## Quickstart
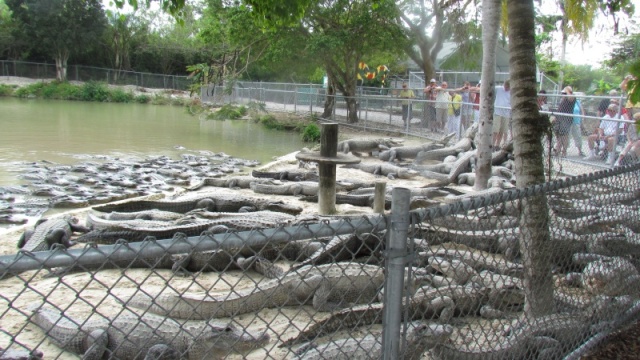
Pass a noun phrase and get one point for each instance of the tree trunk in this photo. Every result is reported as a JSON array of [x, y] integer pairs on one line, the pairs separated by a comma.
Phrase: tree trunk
[[491, 12], [529, 168], [352, 102], [330, 98], [61, 65]]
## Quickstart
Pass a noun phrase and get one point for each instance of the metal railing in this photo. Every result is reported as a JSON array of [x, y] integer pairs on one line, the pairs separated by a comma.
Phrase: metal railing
[[384, 112], [90, 73], [453, 277]]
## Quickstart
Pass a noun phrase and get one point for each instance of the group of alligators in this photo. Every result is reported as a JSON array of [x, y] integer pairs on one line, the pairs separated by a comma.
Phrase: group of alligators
[[478, 277]]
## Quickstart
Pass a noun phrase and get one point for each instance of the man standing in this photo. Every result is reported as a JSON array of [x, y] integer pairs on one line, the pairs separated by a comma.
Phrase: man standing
[[406, 94], [501, 114], [429, 110], [442, 107]]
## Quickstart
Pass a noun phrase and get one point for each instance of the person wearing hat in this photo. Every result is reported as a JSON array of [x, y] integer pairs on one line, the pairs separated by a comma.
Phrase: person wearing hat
[[406, 94], [562, 123], [608, 132], [429, 110]]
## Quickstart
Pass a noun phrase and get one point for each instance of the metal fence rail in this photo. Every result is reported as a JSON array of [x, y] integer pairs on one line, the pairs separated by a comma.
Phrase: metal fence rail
[[91, 73], [452, 277], [385, 113]]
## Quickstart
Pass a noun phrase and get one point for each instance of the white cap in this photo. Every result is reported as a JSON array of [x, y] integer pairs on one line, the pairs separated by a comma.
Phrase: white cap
[[433, 80], [479, 82]]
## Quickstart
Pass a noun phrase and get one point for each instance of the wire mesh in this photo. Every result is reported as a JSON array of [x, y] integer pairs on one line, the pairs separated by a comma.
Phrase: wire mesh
[[484, 278]]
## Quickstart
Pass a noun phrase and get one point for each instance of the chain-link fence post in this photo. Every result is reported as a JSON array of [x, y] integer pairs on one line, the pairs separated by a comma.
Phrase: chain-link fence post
[[395, 263]]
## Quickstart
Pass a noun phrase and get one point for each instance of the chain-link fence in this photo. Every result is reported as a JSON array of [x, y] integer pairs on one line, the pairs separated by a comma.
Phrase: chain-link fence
[[539, 273], [91, 73]]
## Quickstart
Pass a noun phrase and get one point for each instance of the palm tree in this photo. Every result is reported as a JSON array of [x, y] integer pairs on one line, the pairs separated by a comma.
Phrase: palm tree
[[528, 153], [578, 18]]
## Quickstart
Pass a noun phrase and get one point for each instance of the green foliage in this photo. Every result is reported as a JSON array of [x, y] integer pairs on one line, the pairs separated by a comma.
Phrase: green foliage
[[94, 91], [311, 133], [228, 112], [160, 100], [120, 96], [6, 90], [59, 28], [270, 122], [142, 99], [30, 90]]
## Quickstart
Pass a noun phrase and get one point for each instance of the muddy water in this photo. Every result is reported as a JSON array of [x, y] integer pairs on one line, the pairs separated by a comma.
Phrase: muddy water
[[66, 132]]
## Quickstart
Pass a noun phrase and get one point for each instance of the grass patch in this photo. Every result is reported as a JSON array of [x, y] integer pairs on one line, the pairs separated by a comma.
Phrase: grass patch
[[7, 90], [228, 112], [94, 91], [121, 96], [89, 91]]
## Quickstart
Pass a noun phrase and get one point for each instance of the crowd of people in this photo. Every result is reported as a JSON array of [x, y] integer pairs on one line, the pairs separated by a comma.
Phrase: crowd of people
[[452, 110]]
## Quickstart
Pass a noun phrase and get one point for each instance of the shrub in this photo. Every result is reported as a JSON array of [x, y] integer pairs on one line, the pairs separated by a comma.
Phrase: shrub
[[6, 90], [121, 96], [68, 91], [227, 111], [160, 100], [311, 133], [30, 90], [94, 91], [270, 122], [142, 99]]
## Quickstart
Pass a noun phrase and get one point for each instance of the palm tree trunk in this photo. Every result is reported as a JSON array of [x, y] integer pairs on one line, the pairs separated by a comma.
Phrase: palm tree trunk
[[491, 11], [527, 132]]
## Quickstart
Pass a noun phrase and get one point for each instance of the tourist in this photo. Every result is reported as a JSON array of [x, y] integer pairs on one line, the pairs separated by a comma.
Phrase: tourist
[[604, 103], [576, 127], [606, 132], [429, 110], [454, 124], [442, 107], [406, 95], [631, 152], [476, 102], [501, 114], [466, 111], [562, 123]]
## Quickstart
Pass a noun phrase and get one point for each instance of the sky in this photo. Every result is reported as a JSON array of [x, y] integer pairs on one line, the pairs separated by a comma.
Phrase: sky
[[598, 46]]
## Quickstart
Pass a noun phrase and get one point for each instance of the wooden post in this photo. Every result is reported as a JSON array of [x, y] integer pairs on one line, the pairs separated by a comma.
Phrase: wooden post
[[379, 197], [327, 170]]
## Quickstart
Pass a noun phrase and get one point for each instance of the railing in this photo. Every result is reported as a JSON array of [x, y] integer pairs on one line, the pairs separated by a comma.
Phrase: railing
[[90, 73], [459, 288], [384, 112]]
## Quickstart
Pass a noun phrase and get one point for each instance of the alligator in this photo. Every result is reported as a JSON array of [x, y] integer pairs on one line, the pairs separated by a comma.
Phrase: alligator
[[48, 232], [406, 152], [464, 144], [326, 287], [286, 175], [192, 224], [358, 146], [139, 215], [213, 260], [295, 188], [355, 200], [212, 201], [385, 169], [243, 182], [129, 336], [13, 354], [426, 303], [345, 248], [547, 337], [420, 338]]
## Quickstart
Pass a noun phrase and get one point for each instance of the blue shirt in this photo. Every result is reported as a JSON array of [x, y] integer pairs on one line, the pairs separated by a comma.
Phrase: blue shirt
[[576, 111]]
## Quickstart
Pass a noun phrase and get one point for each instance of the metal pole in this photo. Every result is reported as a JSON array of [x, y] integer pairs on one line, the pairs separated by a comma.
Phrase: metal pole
[[394, 282]]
